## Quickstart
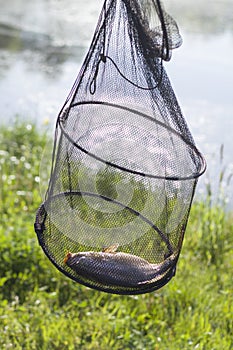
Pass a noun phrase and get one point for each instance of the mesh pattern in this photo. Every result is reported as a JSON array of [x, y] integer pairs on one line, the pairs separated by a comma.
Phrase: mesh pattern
[[125, 165]]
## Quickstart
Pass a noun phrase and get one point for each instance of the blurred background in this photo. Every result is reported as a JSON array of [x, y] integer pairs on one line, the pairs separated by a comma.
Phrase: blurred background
[[43, 44]]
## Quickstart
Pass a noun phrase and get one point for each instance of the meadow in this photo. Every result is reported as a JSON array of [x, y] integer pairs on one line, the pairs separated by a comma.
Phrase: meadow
[[41, 309]]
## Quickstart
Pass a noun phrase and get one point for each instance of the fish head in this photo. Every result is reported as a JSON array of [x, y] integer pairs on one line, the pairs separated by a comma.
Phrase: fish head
[[67, 257]]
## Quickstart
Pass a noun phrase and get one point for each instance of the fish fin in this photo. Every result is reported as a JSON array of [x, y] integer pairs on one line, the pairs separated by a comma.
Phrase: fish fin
[[111, 249]]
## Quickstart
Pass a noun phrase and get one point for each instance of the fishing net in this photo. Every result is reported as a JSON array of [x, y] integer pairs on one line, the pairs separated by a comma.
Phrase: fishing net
[[125, 165]]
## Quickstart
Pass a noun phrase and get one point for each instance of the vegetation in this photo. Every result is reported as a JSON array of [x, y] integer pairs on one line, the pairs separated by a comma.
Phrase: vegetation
[[42, 309]]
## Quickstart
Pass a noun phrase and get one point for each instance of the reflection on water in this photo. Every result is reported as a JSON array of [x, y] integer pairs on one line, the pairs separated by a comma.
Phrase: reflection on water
[[203, 17], [44, 51], [42, 45]]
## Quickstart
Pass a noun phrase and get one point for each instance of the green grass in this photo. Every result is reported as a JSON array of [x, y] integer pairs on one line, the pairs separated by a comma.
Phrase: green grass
[[41, 309]]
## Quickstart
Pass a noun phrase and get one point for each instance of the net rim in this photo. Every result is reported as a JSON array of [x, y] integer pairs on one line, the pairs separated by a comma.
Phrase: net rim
[[39, 229], [202, 163], [108, 199]]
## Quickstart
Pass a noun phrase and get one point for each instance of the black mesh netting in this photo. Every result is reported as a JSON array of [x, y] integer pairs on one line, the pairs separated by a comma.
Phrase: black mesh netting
[[125, 165]]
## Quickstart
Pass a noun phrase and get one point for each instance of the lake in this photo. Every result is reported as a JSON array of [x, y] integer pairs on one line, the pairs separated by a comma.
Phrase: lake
[[43, 43]]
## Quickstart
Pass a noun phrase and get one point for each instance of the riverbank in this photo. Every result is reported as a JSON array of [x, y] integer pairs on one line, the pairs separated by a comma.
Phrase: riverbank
[[42, 309]]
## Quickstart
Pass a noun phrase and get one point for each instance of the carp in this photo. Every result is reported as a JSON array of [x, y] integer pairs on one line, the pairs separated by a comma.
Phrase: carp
[[117, 268]]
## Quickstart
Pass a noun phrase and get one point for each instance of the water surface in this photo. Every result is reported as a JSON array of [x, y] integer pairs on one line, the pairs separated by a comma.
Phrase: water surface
[[43, 43]]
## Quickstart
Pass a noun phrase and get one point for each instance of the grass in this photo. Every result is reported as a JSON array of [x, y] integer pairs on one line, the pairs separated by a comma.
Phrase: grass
[[43, 310]]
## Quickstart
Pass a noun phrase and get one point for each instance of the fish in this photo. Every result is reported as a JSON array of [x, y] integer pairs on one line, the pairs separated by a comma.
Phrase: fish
[[120, 269]]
